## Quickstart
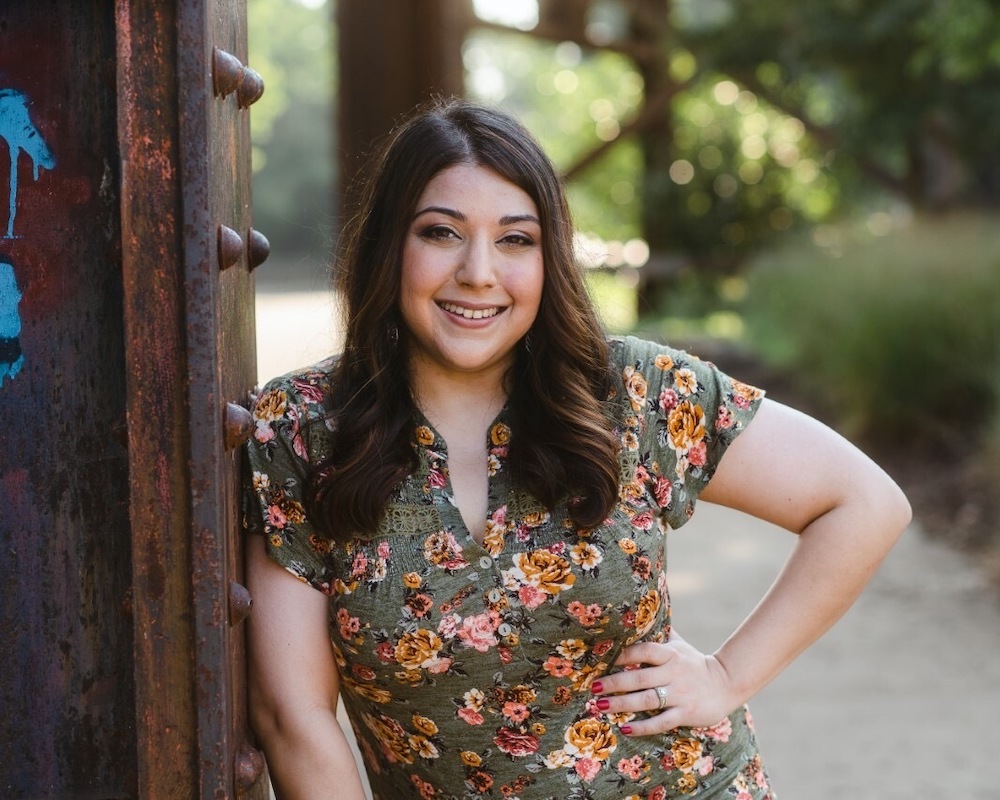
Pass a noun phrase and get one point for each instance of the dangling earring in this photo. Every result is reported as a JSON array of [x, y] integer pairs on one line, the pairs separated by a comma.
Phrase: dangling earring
[[393, 334], [527, 343]]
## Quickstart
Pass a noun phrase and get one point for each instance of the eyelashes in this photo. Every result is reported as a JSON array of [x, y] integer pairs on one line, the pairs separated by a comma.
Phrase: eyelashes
[[445, 233]]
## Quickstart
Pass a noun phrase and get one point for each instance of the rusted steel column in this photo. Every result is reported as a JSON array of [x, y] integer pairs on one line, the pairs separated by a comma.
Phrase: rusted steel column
[[152, 242], [67, 715]]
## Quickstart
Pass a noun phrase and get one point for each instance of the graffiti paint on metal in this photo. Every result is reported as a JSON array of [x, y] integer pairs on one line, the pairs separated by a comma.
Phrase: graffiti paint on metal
[[11, 358], [21, 135]]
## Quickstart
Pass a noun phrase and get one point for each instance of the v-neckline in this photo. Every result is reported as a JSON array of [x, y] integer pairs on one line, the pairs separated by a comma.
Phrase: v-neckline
[[495, 490]]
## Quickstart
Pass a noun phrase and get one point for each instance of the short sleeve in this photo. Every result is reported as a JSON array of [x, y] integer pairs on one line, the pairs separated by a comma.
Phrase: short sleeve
[[289, 433], [685, 413]]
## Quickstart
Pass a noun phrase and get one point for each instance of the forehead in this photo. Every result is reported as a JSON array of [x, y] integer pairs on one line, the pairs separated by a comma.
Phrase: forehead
[[476, 186]]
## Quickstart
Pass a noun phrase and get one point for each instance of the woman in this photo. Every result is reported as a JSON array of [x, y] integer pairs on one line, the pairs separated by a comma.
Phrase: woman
[[480, 489]]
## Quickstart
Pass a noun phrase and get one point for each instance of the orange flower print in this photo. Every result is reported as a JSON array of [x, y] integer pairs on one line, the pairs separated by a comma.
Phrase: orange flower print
[[424, 435], [542, 573], [590, 738], [664, 362], [419, 650], [685, 426], [635, 386], [499, 434], [444, 551], [685, 382], [645, 614]]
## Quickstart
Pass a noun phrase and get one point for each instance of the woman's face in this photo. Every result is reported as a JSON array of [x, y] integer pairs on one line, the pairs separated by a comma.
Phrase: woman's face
[[472, 274]]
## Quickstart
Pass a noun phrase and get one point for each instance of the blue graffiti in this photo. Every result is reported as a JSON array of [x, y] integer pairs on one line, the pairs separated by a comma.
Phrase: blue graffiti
[[11, 358], [17, 129]]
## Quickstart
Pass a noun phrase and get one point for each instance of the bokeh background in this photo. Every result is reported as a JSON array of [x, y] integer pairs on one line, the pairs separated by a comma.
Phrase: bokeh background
[[807, 193]]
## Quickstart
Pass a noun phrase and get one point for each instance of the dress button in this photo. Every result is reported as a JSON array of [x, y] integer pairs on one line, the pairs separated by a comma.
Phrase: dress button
[[504, 629], [486, 562], [494, 596]]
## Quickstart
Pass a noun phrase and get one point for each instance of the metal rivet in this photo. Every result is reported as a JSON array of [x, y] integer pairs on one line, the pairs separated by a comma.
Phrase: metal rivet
[[230, 247], [250, 89], [227, 72], [240, 602], [258, 248], [248, 768], [238, 425]]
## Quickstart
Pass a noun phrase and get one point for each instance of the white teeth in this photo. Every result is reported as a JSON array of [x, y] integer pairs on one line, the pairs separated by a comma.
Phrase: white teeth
[[468, 313]]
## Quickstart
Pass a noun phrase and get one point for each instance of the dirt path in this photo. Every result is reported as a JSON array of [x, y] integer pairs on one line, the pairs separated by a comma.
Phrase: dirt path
[[900, 700]]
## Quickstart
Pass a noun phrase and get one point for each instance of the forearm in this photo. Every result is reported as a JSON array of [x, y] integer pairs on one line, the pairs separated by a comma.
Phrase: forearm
[[832, 561], [310, 758]]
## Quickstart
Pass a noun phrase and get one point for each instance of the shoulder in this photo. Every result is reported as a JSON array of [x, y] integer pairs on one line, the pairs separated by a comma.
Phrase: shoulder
[[295, 392], [292, 408]]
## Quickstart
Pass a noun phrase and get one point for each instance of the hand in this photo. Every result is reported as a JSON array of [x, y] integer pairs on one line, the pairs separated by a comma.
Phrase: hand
[[699, 690]]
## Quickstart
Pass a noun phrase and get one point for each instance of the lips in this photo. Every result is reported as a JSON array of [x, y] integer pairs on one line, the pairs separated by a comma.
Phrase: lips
[[471, 313]]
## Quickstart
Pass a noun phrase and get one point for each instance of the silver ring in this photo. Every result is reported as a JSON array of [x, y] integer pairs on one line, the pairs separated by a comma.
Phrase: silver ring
[[663, 693]]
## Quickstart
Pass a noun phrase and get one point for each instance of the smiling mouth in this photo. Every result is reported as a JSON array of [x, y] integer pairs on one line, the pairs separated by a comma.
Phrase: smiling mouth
[[471, 313]]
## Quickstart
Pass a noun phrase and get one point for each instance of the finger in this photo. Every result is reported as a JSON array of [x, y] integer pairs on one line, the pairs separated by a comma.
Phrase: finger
[[653, 653], [661, 723], [643, 700]]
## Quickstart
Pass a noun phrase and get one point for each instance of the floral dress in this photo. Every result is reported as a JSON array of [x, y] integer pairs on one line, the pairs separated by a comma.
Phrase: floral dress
[[466, 669]]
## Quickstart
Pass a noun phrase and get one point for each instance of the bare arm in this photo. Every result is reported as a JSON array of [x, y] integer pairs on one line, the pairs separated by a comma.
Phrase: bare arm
[[788, 469], [294, 686]]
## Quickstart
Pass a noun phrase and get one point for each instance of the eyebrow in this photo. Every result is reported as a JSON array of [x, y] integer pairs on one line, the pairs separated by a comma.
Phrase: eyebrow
[[509, 219]]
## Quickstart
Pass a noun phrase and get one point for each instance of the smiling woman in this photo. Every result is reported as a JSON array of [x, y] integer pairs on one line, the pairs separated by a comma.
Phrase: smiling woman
[[480, 489]]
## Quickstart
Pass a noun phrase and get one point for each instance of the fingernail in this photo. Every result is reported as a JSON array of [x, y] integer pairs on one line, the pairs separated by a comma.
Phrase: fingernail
[[597, 687], [603, 704], [626, 729]]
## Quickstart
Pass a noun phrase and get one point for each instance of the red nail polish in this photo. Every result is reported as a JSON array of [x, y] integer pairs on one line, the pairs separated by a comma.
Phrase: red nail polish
[[603, 704], [596, 687], [626, 729]]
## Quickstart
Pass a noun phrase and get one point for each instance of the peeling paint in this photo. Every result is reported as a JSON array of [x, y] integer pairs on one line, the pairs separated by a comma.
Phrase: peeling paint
[[11, 357]]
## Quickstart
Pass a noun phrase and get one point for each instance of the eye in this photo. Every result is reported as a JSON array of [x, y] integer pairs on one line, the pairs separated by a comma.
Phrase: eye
[[517, 240], [437, 233]]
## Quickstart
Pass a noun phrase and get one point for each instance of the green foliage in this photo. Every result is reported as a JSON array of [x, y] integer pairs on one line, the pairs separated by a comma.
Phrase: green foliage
[[899, 334], [291, 45], [571, 101]]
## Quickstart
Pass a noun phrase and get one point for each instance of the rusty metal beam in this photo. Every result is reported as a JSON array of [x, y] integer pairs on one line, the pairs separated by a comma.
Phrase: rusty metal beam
[[156, 360]]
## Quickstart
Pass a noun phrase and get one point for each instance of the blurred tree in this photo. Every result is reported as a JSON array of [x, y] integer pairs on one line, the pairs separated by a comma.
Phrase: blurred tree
[[291, 45], [393, 55]]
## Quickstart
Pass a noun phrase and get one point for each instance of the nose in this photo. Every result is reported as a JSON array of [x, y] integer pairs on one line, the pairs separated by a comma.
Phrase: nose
[[476, 268]]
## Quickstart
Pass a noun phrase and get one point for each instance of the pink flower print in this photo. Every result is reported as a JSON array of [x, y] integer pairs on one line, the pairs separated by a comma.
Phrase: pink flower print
[[263, 432], [478, 632], [531, 597], [515, 712], [558, 667], [439, 665], [276, 517], [704, 765], [698, 455], [587, 768], [668, 399], [436, 479], [643, 520], [385, 652], [470, 716], [719, 732], [724, 418], [631, 767], [310, 392], [383, 550], [667, 762], [514, 743], [506, 656], [663, 491], [587, 615], [359, 565], [448, 626], [602, 647], [659, 793]]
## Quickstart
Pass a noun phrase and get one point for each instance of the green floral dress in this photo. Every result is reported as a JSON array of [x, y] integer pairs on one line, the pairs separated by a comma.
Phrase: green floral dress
[[465, 668]]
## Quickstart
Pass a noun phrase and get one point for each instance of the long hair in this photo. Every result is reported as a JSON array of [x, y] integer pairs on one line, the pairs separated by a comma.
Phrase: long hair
[[563, 443]]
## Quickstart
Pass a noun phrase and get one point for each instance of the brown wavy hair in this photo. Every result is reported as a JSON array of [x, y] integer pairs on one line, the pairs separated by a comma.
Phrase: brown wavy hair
[[563, 442]]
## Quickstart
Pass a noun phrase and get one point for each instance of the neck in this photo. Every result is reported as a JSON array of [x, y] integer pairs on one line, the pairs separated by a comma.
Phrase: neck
[[441, 394]]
